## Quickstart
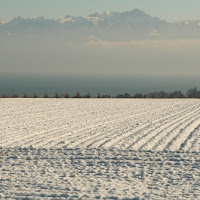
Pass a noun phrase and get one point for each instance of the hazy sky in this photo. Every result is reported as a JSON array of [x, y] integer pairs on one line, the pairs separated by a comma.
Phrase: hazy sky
[[171, 10], [54, 54]]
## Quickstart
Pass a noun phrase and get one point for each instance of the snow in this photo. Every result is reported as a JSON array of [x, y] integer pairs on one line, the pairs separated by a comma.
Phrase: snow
[[186, 22], [66, 19], [106, 14], [99, 149], [2, 22]]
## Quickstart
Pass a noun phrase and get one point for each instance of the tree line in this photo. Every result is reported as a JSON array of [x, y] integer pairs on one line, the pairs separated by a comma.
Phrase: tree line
[[192, 93]]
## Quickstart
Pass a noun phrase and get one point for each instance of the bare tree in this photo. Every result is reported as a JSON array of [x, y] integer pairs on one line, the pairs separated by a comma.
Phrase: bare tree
[[67, 95], [46, 95], [15, 96], [88, 95], [57, 95], [25, 96], [4, 95], [127, 95], [35, 95], [78, 95], [98, 95]]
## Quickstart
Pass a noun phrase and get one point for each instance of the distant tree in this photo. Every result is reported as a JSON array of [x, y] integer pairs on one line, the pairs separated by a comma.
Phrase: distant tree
[[170, 96], [15, 96], [153, 96], [119, 96], [35, 95], [177, 94], [67, 95], [78, 95], [138, 95], [25, 96], [180, 95], [4, 95], [109, 96], [192, 93], [162, 96], [98, 95], [127, 95], [57, 95], [46, 95], [88, 95], [145, 96]]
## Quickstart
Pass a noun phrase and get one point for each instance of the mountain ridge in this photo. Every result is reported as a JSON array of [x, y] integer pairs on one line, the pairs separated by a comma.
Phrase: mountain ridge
[[136, 12], [111, 26]]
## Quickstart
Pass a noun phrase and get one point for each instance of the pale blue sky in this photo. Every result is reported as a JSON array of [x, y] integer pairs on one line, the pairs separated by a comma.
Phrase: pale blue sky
[[171, 10]]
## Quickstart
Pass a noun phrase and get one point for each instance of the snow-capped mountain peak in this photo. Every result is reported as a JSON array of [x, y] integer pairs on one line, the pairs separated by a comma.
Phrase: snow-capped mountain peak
[[107, 14], [129, 25], [67, 18], [16, 20]]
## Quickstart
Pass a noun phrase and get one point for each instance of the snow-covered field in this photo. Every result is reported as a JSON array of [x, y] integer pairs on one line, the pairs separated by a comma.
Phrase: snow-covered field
[[99, 149]]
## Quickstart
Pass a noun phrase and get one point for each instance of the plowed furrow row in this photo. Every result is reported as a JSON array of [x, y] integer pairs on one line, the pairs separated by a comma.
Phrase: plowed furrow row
[[78, 138], [135, 124], [177, 140], [111, 139], [132, 142], [159, 136], [165, 142], [195, 143], [189, 141], [147, 136]]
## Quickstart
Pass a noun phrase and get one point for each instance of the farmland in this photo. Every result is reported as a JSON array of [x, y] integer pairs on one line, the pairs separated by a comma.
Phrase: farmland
[[100, 148]]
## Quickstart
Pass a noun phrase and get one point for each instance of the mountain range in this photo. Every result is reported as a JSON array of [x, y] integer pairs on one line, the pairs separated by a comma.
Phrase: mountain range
[[110, 26]]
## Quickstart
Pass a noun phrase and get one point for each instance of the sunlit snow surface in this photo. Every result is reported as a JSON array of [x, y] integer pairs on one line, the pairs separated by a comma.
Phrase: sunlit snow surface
[[99, 149]]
